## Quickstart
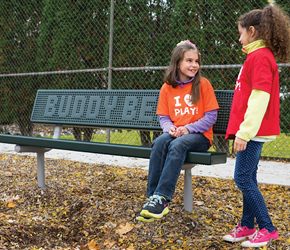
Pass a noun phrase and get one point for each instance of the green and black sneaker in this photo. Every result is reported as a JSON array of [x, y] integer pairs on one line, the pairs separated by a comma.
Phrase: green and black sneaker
[[156, 207], [144, 219]]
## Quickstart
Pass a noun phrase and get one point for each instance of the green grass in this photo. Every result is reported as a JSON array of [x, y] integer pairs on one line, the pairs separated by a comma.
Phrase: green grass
[[279, 148], [119, 137]]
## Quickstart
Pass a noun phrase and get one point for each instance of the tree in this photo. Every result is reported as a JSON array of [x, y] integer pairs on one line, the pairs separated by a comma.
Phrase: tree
[[19, 31], [74, 35]]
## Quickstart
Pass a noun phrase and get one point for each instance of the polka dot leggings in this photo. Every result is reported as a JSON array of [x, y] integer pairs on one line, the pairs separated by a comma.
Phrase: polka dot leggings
[[246, 179]]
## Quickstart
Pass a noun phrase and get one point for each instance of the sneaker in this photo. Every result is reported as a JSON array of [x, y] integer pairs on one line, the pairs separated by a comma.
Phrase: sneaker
[[239, 233], [261, 238], [156, 207], [144, 219]]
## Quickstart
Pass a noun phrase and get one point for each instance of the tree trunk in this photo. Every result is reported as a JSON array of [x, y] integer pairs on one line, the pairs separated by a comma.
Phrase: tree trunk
[[83, 134], [25, 126]]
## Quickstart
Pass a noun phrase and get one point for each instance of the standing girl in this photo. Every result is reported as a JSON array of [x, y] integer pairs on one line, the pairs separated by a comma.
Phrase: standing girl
[[187, 109], [254, 117]]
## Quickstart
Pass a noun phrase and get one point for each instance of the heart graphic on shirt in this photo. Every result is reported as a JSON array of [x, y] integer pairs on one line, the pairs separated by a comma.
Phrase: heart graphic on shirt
[[187, 99]]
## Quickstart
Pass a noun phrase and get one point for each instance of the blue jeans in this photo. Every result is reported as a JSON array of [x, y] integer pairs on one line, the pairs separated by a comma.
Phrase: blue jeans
[[246, 179], [167, 157]]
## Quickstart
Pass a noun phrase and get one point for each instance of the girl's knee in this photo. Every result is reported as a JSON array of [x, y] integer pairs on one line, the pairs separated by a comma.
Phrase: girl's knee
[[243, 182], [162, 138], [239, 183], [161, 141], [176, 148]]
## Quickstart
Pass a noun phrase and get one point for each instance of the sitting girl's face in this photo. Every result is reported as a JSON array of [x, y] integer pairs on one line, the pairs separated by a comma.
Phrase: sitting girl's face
[[189, 65]]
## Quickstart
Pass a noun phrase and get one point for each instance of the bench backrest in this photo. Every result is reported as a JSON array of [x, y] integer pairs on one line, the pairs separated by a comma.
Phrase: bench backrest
[[128, 109]]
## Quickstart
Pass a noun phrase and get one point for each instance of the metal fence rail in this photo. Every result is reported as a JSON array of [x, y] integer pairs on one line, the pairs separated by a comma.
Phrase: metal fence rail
[[119, 45]]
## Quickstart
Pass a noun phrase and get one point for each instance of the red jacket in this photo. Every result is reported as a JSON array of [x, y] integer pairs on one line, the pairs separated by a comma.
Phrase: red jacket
[[260, 71]]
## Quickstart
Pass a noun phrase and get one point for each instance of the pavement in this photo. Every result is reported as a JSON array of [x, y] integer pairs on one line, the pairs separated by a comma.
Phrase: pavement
[[269, 172]]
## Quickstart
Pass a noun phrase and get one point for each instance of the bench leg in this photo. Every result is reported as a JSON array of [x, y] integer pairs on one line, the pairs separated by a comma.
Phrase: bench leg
[[40, 170], [40, 161], [187, 196]]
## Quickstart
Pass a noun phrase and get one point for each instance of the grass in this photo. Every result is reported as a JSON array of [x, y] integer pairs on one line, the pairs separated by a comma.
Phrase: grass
[[279, 148], [130, 137]]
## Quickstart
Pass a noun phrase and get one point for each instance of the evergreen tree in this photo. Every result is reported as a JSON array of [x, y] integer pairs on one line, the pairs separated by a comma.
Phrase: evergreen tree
[[74, 35], [19, 32]]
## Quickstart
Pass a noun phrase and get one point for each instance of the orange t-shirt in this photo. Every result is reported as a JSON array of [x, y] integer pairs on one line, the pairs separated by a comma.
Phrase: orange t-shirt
[[176, 103]]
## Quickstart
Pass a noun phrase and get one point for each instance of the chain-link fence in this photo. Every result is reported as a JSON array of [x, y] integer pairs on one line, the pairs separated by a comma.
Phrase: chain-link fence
[[121, 44]]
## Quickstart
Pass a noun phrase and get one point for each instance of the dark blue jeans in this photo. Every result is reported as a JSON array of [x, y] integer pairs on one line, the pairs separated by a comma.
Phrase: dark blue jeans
[[246, 179], [167, 157]]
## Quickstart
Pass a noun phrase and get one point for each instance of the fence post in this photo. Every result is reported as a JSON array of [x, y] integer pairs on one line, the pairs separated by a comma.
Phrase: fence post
[[110, 66]]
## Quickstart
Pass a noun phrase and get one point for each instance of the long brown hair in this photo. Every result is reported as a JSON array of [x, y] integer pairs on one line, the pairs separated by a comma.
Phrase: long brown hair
[[273, 26], [171, 74]]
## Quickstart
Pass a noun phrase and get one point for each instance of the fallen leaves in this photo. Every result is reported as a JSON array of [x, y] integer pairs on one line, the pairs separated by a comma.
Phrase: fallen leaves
[[92, 245], [92, 207], [124, 228], [11, 204]]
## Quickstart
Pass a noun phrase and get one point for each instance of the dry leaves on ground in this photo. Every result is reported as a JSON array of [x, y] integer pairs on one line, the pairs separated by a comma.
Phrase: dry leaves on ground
[[92, 207]]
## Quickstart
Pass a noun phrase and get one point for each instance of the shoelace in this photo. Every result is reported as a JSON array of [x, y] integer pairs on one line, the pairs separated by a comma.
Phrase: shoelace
[[148, 201], [237, 229], [154, 200], [257, 235]]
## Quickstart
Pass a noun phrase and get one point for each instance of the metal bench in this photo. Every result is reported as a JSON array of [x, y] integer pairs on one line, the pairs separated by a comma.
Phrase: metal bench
[[115, 109]]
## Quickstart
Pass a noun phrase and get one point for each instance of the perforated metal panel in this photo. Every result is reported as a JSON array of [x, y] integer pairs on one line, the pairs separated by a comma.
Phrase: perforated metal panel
[[110, 108], [101, 108], [224, 98]]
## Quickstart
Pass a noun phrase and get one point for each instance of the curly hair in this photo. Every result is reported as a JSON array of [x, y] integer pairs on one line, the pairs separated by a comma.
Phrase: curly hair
[[170, 76], [273, 26]]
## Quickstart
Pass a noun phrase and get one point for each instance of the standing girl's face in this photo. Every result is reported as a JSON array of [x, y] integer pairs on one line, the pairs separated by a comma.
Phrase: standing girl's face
[[189, 65], [246, 35]]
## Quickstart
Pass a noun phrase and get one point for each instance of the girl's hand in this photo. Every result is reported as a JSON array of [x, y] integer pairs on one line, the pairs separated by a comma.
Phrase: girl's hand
[[182, 131], [172, 131], [239, 145], [177, 132]]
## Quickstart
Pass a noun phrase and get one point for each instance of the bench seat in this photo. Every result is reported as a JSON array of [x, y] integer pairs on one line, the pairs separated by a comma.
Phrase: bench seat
[[204, 158]]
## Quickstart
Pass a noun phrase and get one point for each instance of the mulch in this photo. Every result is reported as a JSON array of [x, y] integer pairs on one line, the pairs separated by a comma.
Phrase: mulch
[[91, 207]]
